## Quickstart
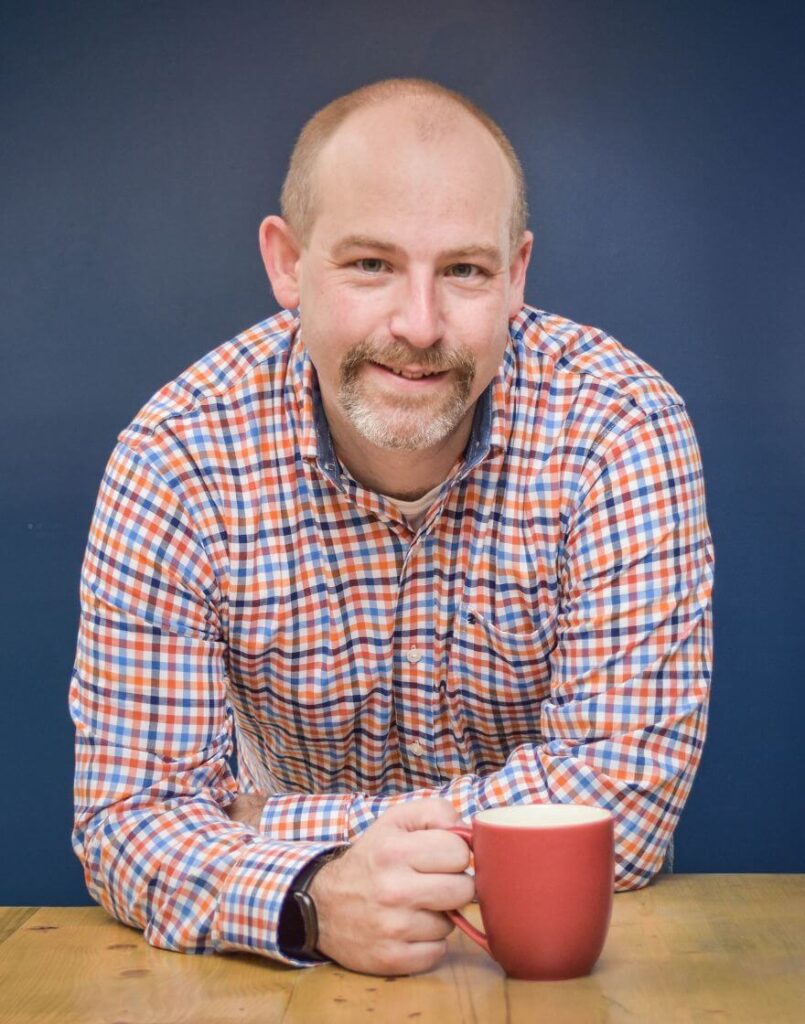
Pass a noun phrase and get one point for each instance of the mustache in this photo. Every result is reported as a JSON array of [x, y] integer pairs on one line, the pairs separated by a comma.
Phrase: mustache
[[398, 353]]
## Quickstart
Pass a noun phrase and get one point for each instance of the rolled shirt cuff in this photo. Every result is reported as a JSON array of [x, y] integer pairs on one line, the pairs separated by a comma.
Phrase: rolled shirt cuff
[[308, 818], [251, 902]]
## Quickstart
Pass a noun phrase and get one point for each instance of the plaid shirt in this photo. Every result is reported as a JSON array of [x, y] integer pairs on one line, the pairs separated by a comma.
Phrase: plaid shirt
[[543, 636]]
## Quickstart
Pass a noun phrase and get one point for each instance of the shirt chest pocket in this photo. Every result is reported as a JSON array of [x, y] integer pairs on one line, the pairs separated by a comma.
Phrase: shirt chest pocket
[[495, 684]]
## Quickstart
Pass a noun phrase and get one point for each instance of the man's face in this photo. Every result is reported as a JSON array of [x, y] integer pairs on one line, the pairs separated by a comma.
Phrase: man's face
[[407, 283]]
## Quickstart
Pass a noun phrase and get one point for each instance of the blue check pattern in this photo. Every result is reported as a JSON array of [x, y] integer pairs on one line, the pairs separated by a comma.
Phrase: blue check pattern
[[544, 635]]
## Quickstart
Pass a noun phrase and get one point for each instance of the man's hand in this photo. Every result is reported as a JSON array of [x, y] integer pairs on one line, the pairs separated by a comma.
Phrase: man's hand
[[380, 904]]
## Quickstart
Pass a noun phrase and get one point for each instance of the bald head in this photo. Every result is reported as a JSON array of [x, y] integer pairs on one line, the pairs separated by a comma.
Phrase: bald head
[[394, 112]]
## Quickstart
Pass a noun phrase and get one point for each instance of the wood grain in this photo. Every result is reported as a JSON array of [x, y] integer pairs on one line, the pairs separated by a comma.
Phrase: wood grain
[[11, 918], [688, 948]]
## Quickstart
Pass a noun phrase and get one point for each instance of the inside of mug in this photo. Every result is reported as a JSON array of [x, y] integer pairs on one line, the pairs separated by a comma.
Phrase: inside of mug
[[542, 815]]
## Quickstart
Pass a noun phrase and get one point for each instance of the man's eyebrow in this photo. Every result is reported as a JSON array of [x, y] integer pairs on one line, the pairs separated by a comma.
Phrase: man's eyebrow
[[460, 254], [474, 252], [361, 242]]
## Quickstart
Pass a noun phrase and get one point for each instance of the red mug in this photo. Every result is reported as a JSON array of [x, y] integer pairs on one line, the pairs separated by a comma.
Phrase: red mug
[[544, 876]]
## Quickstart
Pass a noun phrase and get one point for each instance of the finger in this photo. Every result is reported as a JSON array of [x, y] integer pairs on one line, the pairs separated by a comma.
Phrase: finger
[[426, 926], [441, 892], [435, 850], [431, 812], [423, 956]]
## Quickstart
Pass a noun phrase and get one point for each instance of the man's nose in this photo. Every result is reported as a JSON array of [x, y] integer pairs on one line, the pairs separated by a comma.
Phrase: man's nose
[[417, 317]]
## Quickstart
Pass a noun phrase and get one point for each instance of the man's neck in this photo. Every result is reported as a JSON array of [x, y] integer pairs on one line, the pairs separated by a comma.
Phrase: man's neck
[[406, 475]]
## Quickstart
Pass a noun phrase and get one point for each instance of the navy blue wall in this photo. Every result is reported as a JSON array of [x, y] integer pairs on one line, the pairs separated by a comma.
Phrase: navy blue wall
[[663, 147]]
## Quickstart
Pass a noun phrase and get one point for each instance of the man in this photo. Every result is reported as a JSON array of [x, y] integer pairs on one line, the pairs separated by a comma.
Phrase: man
[[420, 548]]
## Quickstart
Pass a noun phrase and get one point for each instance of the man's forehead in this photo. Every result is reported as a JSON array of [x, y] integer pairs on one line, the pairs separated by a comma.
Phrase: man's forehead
[[414, 122], [376, 159], [413, 133]]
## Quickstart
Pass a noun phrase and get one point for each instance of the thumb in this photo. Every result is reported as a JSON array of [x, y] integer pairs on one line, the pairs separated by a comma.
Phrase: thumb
[[431, 812]]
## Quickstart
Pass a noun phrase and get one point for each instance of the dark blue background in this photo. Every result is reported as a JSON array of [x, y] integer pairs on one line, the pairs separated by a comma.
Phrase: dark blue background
[[662, 142]]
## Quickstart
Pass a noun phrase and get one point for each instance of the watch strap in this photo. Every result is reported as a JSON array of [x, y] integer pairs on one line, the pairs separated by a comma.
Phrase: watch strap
[[306, 906]]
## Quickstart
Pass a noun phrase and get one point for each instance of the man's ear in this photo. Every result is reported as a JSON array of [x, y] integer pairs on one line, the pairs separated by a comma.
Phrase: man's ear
[[280, 252], [517, 271]]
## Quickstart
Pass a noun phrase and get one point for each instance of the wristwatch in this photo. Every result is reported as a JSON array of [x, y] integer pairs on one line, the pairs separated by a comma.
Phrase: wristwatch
[[299, 923]]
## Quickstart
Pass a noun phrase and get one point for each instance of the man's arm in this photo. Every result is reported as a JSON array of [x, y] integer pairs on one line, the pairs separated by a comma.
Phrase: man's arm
[[167, 845], [153, 734], [247, 809], [625, 723]]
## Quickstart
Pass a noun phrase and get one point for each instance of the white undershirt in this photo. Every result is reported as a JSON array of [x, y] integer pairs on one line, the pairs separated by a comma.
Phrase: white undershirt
[[415, 511]]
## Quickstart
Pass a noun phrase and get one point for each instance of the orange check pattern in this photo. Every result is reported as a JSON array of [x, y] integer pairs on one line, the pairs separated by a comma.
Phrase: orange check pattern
[[543, 636]]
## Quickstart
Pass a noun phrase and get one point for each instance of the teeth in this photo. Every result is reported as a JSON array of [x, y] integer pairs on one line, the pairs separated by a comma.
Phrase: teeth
[[410, 376]]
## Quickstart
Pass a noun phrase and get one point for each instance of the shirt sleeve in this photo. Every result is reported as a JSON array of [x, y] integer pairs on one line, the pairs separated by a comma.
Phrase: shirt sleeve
[[625, 721], [153, 735]]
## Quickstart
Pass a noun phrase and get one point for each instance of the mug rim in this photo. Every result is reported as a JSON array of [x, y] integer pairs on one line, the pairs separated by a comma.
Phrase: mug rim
[[551, 815]]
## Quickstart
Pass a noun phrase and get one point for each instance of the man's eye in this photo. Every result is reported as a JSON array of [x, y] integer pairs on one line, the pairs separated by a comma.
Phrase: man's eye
[[464, 270], [370, 266]]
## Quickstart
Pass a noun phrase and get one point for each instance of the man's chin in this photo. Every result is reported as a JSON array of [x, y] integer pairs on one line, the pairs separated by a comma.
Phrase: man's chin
[[405, 433], [410, 424], [398, 441]]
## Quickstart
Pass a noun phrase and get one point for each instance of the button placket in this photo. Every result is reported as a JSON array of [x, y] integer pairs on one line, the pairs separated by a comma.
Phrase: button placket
[[414, 656]]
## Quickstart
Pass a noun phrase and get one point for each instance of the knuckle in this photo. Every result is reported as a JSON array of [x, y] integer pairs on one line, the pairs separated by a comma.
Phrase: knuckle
[[395, 927], [437, 952], [462, 852], [389, 892], [385, 852], [467, 889], [401, 958], [389, 960], [448, 815]]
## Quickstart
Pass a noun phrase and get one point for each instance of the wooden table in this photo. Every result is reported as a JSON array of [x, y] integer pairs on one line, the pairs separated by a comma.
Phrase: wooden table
[[687, 948]]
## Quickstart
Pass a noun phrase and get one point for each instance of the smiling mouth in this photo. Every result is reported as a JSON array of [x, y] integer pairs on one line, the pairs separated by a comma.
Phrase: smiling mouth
[[409, 373]]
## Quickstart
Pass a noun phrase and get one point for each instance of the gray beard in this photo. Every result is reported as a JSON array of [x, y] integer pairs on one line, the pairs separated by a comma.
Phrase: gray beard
[[406, 426], [402, 429]]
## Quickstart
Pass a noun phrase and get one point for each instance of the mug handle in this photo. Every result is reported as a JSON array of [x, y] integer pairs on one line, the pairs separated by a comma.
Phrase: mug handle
[[456, 916]]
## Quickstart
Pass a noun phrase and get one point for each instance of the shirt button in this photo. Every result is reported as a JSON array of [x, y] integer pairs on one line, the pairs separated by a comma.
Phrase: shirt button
[[416, 749], [414, 655]]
